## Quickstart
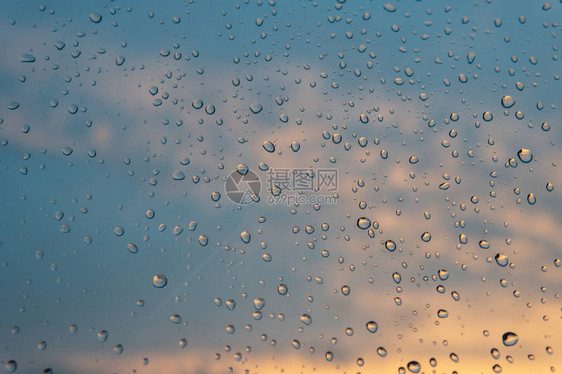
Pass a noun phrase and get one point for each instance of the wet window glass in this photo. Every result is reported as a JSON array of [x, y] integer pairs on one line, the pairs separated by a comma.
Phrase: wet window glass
[[268, 186]]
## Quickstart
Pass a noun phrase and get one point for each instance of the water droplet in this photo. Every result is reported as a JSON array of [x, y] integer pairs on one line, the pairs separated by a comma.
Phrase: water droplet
[[443, 274], [525, 155], [159, 281], [389, 7], [268, 146], [245, 236], [67, 151], [13, 105], [119, 231], [178, 175], [230, 304], [426, 237], [203, 240], [507, 101], [414, 366], [118, 349], [306, 319], [372, 326], [197, 104], [509, 339], [11, 366], [95, 17], [102, 335], [295, 146], [132, 248], [242, 169], [256, 108], [363, 223], [282, 289], [27, 58], [501, 259], [259, 303], [390, 245]]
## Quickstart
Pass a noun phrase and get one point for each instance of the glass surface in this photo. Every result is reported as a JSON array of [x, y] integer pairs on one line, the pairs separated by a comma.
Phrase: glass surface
[[270, 186]]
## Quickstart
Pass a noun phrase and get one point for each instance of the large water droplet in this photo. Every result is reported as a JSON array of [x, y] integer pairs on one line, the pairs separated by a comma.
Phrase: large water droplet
[[245, 236], [256, 108], [11, 366], [507, 101], [414, 366], [27, 58], [525, 155], [390, 245], [95, 17], [363, 223], [509, 339], [372, 326], [159, 281], [306, 319], [102, 335], [268, 146]]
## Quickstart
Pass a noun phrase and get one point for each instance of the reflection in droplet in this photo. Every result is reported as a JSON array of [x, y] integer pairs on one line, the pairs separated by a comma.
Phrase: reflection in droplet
[[102, 335], [390, 245], [501, 259], [306, 319], [525, 155], [507, 101], [414, 366], [245, 236], [256, 108], [95, 17], [159, 280], [509, 339], [363, 223], [372, 326], [11, 366]]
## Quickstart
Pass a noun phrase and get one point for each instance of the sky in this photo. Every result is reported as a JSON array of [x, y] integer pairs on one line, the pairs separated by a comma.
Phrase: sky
[[121, 122]]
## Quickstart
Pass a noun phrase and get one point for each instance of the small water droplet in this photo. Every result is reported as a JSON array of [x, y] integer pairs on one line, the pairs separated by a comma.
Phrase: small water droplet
[[102, 335]]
